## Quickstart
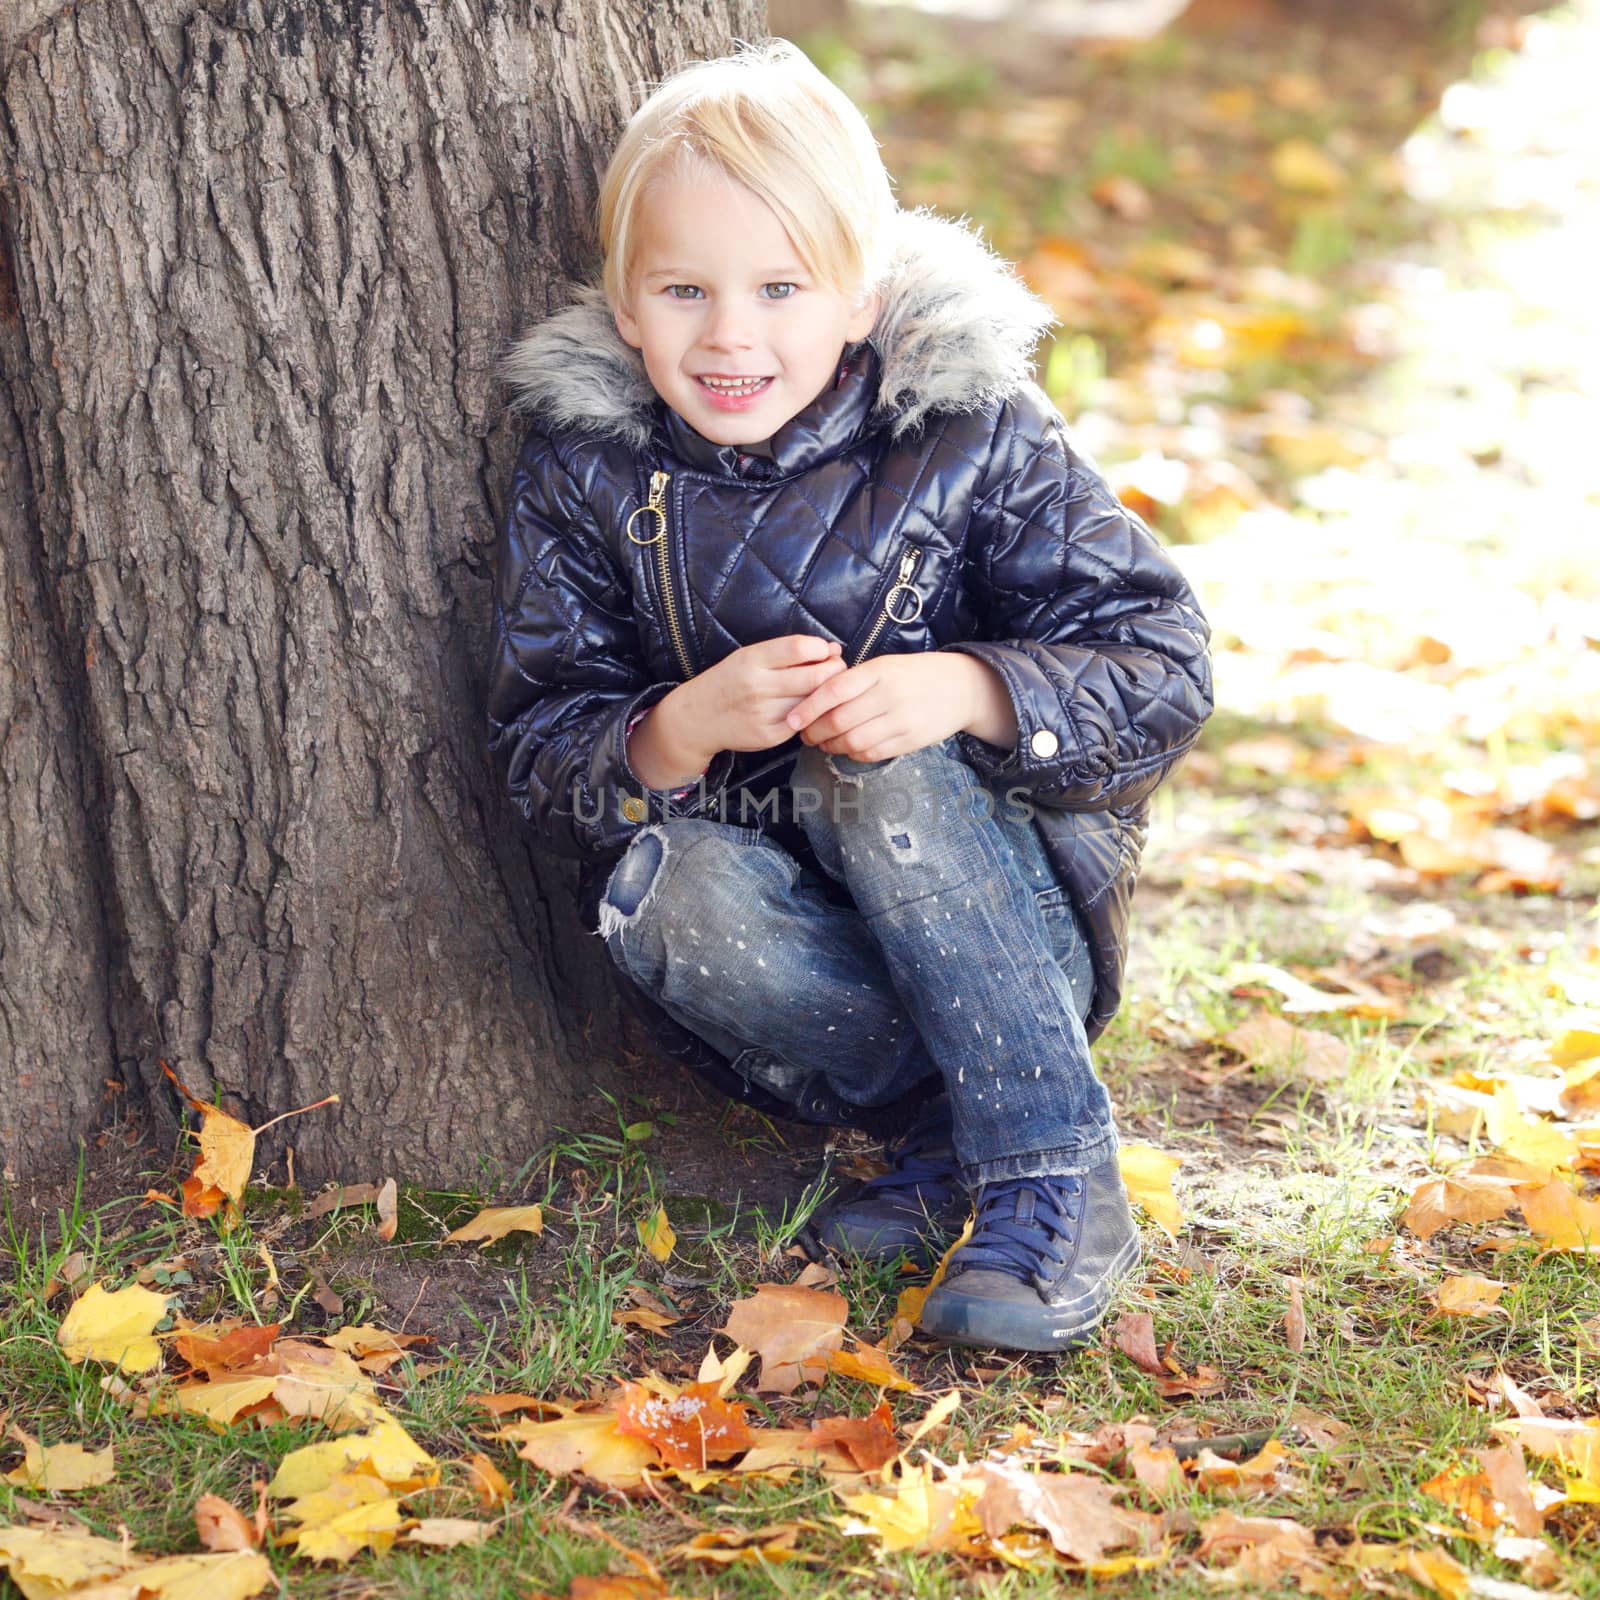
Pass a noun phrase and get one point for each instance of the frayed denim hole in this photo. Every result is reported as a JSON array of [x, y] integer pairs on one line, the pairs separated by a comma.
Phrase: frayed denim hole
[[632, 881]]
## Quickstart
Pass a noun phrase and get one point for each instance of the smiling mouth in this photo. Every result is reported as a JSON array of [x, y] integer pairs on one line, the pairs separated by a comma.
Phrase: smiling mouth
[[733, 386]]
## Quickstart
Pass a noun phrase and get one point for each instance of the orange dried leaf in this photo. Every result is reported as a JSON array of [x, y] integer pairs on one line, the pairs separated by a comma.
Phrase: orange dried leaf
[[869, 1441], [586, 1443], [691, 1428], [230, 1346], [1279, 1046], [869, 1364], [388, 1210], [487, 1482], [224, 1527], [1564, 1220], [793, 1330], [1438, 1202]]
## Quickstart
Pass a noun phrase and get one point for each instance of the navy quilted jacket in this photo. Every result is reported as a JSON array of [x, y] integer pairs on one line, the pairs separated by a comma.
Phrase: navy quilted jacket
[[934, 462]]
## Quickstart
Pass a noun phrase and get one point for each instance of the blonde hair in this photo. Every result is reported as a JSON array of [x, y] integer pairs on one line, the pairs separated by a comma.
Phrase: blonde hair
[[764, 117]]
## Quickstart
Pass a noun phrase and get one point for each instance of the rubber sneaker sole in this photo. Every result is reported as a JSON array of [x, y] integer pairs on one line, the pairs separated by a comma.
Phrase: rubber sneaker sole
[[991, 1311]]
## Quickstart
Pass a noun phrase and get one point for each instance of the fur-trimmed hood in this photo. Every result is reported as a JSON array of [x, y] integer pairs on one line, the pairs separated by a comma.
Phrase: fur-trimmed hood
[[956, 332]]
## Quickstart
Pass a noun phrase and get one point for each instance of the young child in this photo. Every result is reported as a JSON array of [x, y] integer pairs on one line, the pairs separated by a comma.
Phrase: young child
[[847, 676]]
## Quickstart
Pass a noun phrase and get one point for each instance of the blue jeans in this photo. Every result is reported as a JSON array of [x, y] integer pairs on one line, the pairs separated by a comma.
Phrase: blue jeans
[[958, 956]]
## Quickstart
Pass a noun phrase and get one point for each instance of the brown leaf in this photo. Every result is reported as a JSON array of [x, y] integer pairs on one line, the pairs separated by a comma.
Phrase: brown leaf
[[1078, 1511], [342, 1195], [1271, 1042], [869, 1441], [1263, 1473], [1438, 1202], [1135, 1337], [225, 1347], [222, 1526], [691, 1428], [388, 1210], [1260, 1550], [1294, 1322], [446, 1533], [793, 1330]]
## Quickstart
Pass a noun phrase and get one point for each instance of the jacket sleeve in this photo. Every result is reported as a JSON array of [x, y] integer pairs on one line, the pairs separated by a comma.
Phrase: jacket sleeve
[[567, 674], [1091, 626]]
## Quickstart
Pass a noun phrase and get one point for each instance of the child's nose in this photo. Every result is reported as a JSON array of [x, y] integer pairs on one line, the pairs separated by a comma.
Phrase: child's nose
[[729, 329]]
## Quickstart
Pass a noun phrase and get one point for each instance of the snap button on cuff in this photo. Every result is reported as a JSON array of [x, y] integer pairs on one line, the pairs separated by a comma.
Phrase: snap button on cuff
[[634, 809], [1044, 744]]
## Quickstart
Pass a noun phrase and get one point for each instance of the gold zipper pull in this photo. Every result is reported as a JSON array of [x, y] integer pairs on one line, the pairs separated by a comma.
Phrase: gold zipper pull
[[657, 503]]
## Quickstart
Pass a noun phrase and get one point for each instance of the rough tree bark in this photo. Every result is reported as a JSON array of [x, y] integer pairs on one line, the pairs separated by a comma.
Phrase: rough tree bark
[[257, 260]]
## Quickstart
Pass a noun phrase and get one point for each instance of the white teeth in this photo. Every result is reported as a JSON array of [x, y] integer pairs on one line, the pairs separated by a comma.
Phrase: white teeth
[[734, 385]]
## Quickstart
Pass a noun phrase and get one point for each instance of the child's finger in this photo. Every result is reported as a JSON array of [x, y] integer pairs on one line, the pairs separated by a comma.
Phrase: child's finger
[[794, 649], [841, 687]]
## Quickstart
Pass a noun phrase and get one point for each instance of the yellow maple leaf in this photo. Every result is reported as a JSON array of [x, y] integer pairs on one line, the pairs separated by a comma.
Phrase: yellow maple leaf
[[495, 1222], [1526, 1138], [350, 1513], [920, 1512], [1468, 1295], [115, 1328], [1147, 1172], [1564, 1220], [231, 1575], [221, 1400], [1575, 1045], [386, 1451], [48, 1562], [325, 1384], [908, 1307], [656, 1235], [60, 1468], [587, 1442]]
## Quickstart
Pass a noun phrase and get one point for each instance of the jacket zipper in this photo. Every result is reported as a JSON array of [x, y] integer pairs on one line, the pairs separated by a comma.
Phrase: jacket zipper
[[909, 558], [657, 504]]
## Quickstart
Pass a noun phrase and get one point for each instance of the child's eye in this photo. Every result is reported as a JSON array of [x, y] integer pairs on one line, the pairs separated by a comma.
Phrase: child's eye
[[790, 290], [691, 291]]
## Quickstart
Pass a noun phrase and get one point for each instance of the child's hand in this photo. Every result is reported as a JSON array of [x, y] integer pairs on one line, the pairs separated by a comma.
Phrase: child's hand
[[892, 704], [741, 703]]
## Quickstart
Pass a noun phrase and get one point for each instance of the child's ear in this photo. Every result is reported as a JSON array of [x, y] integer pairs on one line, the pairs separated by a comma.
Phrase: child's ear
[[627, 326], [863, 321]]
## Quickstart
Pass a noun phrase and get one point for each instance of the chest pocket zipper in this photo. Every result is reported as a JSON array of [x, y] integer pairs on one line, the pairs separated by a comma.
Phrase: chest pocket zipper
[[657, 506], [893, 608]]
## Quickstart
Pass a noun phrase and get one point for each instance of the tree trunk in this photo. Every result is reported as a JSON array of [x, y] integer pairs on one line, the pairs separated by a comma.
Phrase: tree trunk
[[257, 260]]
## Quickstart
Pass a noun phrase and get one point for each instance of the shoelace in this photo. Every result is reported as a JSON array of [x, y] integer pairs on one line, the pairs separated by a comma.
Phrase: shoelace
[[928, 1181], [1001, 1242]]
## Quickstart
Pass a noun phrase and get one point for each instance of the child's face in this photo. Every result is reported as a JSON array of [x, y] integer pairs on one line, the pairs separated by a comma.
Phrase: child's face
[[719, 291]]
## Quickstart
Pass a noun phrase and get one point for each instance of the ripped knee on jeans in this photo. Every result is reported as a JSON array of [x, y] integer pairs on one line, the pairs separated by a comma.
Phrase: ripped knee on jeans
[[633, 880]]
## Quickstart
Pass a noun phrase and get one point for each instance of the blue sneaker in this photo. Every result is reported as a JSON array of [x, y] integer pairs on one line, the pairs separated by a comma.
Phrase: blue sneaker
[[915, 1209], [1042, 1265]]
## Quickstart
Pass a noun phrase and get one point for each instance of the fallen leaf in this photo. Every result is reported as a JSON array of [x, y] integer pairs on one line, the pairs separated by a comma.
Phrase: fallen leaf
[[1263, 1473], [227, 1153], [45, 1562], [1147, 1174], [342, 1195], [918, 1512], [1431, 1569], [1260, 1551], [495, 1222], [1279, 1046], [1561, 1218], [222, 1400], [487, 1482], [586, 1443], [349, 1513], [385, 1452], [643, 1317], [325, 1385], [447, 1532], [1573, 1442], [388, 1210], [656, 1235], [362, 1339], [115, 1328], [793, 1330], [1468, 1295], [691, 1428], [1078, 1511], [869, 1441], [1574, 1046], [1294, 1321], [758, 1546], [1437, 1202], [869, 1364], [60, 1468], [1135, 1337], [222, 1526], [1525, 1138], [225, 1347], [908, 1308], [1124, 197]]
